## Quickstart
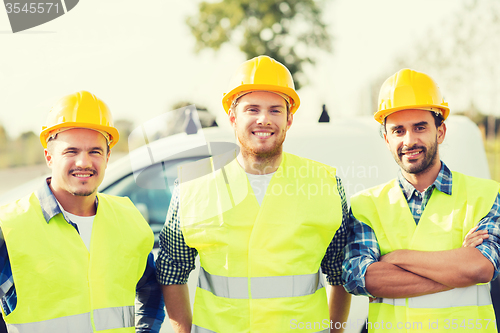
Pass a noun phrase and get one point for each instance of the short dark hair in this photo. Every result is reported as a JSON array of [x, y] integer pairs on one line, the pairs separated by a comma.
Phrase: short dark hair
[[438, 121]]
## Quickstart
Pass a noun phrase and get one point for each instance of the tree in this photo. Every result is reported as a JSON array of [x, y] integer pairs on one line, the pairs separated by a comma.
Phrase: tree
[[288, 31], [462, 56]]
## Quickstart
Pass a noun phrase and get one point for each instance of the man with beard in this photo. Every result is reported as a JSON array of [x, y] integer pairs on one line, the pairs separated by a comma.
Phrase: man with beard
[[424, 245], [72, 259], [262, 236]]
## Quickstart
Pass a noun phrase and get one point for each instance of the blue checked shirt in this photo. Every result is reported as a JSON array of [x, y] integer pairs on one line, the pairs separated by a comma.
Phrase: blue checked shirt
[[149, 304], [176, 259], [363, 249]]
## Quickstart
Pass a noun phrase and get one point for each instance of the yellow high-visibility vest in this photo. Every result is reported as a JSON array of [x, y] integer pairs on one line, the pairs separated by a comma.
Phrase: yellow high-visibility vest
[[260, 265], [443, 226], [61, 286]]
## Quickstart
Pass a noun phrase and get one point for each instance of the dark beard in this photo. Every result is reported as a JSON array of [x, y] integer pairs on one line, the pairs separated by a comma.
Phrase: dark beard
[[429, 160], [83, 194]]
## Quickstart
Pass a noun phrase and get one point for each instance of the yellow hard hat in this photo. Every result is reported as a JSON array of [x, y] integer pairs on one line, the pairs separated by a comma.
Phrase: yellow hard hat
[[262, 73], [409, 89], [80, 110]]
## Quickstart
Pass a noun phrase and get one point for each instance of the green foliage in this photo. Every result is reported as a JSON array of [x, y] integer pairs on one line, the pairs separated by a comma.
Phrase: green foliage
[[462, 56], [288, 31]]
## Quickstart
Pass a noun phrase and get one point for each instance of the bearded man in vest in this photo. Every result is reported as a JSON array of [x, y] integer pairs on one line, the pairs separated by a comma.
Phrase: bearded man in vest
[[423, 246], [73, 259], [262, 239]]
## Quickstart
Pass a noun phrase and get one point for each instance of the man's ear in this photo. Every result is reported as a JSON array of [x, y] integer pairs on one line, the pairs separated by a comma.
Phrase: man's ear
[[386, 140], [48, 157], [232, 117], [441, 133], [289, 121]]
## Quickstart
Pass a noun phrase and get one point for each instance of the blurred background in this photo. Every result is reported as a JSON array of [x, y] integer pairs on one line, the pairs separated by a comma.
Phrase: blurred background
[[146, 58]]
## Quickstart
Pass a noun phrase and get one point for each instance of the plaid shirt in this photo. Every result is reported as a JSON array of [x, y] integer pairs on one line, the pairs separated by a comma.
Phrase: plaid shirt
[[176, 259], [149, 305], [362, 248]]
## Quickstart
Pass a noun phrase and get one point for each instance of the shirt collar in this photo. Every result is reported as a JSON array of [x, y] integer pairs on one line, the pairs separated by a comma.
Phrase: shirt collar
[[48, 202], [442, 183]]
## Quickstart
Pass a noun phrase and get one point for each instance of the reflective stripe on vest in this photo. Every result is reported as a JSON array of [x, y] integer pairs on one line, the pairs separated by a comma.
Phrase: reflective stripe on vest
[[75, 324], [4, 288], [110, 318], [199, 329], [104, 319], [99, 288], [443, 226], [251, 250], [477, 295], [261, 287]]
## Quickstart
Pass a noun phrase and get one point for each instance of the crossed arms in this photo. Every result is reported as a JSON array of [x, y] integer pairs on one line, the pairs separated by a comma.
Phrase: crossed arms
[[408, 273]]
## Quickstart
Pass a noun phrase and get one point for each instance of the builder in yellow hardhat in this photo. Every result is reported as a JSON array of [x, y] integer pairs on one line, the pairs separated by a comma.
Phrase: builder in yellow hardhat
[[263, 236], [425, 243], [72, 259]]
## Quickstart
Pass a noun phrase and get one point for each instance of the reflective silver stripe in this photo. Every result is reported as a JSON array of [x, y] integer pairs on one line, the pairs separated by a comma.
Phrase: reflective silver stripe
[[223, 286], [469, 296], [110, 318], [199, 329], [104, 319], [4, 288], [71, 324], [286, 286], [261, 287]]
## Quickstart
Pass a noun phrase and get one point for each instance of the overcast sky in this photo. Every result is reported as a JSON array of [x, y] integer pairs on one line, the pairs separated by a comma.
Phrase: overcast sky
[[138, 57]]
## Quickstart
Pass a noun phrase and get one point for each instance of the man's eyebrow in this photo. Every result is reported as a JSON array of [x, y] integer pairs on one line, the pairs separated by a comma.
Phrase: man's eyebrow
[[422, 123], [71, 148], [90, 149], [393, 127], [259, 106]]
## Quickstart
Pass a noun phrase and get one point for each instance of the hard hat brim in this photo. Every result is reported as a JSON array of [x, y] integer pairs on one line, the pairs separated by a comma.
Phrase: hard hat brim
[[381, 115], [113, 132], [228, 98]]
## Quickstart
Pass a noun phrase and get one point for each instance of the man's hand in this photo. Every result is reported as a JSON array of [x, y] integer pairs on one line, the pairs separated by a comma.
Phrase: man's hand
[[457, 268], [474, 238]]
